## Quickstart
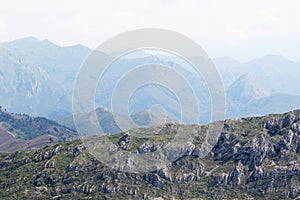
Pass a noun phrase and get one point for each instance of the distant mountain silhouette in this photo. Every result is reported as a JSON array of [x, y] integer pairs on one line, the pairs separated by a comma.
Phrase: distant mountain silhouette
[[37, 77], [246, 89]]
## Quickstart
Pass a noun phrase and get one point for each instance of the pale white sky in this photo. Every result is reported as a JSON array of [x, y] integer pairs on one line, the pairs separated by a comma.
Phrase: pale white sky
[[240, 29]]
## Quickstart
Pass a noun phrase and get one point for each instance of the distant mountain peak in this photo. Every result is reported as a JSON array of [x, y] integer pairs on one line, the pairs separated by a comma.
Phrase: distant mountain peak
[[48, 42], [246, 89], [246, 79], [25, 40], [226, 58], [30, 38], [271, 60], [30, 43], [226, 61]]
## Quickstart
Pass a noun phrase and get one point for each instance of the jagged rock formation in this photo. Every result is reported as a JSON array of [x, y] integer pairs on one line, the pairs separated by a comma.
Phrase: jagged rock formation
[[254, 158]]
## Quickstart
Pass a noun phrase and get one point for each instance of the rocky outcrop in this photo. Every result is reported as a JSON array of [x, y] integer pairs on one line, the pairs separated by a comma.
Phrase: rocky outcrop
[[184, 178], [288, 120], [165, 174], [124, 142], [149, 147], [253, 152], [233, 178], [236, 176], [153, 179], [254, 158]]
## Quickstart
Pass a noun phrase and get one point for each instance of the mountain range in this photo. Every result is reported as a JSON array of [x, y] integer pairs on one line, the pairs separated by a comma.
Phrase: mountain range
[[37, 77], [252, 157]]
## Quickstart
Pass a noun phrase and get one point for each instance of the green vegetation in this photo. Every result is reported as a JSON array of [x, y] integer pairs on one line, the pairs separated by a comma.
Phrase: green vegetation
[[251, 160], [23, 126]]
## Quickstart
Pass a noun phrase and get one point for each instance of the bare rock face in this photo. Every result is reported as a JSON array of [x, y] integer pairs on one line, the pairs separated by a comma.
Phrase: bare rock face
[[174, 152], [185, 178], [86, 189], [149, 147], [226, 147], [267, 161], [288, 120], [285, 145], [256, 174], [153, 179], [165, 174], [236, 176], [124, 142], [50, 164], [46, 154], [254, 151], [189, 164], [219, 179], [233, 178], [294, 193]]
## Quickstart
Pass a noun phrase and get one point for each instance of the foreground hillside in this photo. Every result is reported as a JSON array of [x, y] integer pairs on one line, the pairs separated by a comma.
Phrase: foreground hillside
[[20, 131], [254, 158]]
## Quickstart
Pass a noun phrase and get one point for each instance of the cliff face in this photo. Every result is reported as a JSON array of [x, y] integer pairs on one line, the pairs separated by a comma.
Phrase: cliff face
[[254, 158]]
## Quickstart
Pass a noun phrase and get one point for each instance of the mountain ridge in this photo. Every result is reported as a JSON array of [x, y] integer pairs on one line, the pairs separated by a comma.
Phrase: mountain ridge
[[254, 157], [20, 131], [31, 78], [246, 89]]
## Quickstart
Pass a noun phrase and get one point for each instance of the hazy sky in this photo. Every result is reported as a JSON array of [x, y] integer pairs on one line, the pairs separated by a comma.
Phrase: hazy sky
[[240, 29]]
